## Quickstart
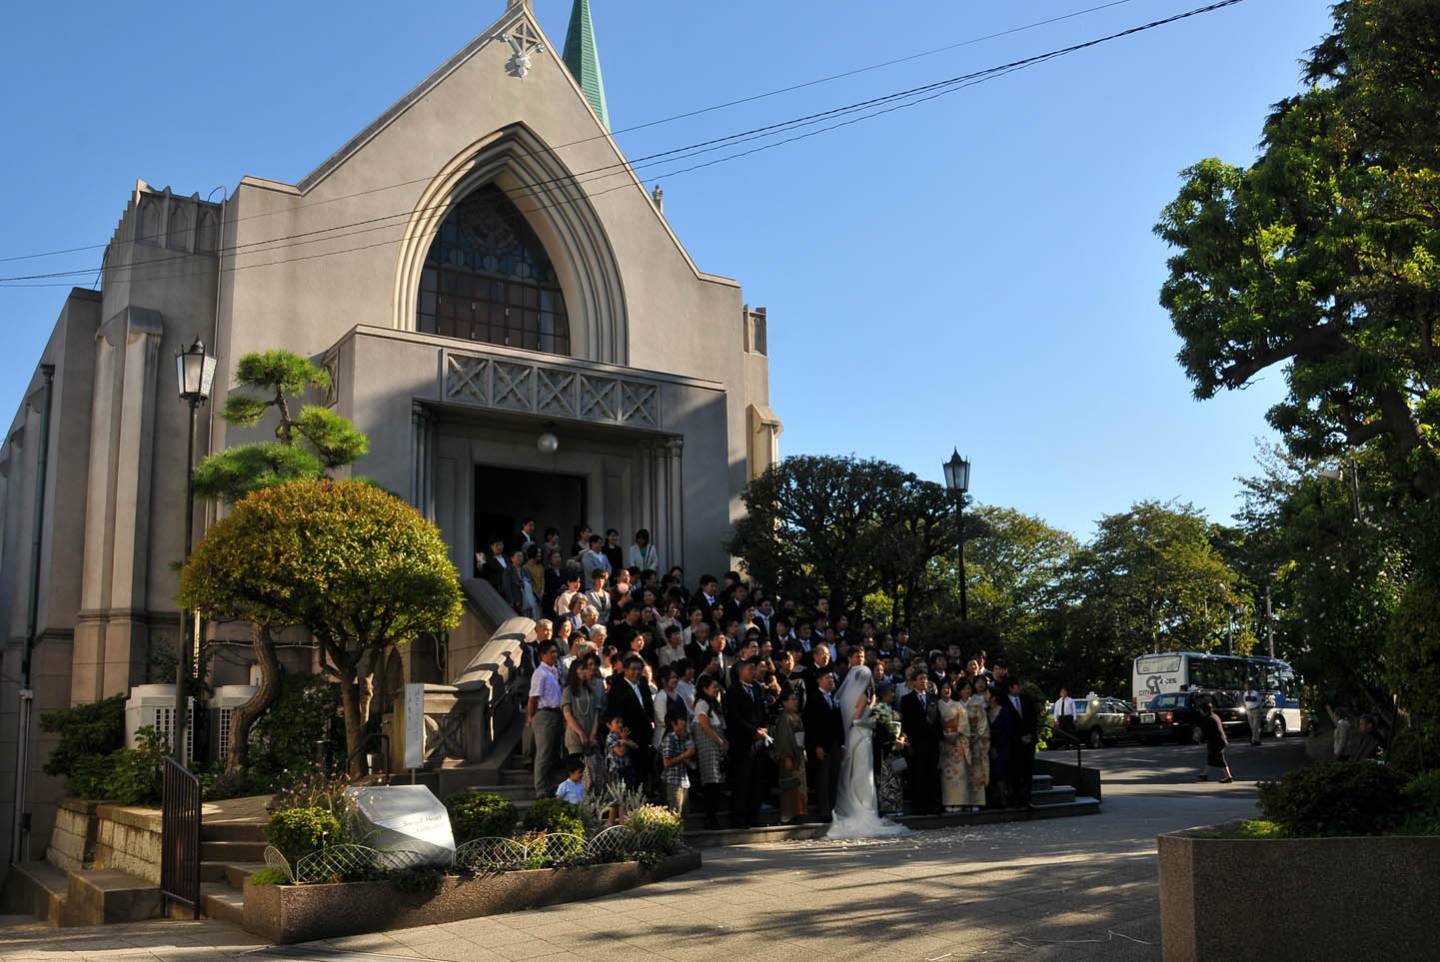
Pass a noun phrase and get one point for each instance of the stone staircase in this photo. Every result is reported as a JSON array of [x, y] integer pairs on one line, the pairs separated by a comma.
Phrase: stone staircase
[[230, 852]]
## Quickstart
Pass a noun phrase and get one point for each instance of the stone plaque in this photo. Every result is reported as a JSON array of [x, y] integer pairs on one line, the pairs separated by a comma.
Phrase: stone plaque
[[406, 818]]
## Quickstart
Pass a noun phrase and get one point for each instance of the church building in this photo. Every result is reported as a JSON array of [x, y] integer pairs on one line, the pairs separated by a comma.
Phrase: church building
[[501, 306]]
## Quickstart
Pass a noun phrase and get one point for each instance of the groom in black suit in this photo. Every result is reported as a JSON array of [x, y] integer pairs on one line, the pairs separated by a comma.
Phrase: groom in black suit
[[824, 740], [920, 721]]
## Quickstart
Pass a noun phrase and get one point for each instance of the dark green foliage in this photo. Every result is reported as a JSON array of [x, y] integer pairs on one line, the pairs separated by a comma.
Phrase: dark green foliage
[[1335, 798], [282, 743], [231, 474], [296, 832], [278, 370], [481, 815], [554, 815], [86, 731], [336, 441], [1422, 794], [423, 880], [269, 876]]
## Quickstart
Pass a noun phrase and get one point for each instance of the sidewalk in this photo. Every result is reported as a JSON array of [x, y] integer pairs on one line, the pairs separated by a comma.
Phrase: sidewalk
[[1072, 888]]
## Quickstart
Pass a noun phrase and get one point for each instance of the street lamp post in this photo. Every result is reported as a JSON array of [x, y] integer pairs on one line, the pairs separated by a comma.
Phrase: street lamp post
[[194, 373], [957, 481]]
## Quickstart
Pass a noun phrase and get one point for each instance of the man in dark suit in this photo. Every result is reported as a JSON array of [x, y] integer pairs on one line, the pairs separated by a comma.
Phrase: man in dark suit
[[824, 738], [920, 721], [706, 598], [1025, 732], [746, 724], [630, 699], [493, 568]]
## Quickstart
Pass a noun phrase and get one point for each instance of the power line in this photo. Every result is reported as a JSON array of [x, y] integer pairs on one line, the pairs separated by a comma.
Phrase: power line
[[647, 124], [889, 103]]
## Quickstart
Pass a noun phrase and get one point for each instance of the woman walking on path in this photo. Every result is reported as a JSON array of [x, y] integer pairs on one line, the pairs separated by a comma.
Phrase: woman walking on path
[[1215, 743]]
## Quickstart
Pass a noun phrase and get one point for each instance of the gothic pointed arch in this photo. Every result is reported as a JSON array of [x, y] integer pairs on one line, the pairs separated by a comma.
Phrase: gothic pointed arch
[[546, 228]]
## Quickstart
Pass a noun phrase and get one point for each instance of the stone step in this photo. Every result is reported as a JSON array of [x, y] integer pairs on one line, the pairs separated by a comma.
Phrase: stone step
[[237, 872], [222, 902], [108, 896], [38, 889], [233, 831], [1079, 805], [1040, 783], [232, 851], [1058, 795]]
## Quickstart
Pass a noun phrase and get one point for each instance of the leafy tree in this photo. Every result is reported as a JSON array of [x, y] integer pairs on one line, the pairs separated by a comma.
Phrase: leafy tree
[[307, 445], [1152, 580], [858, 532], [357, 567], [1016, 564], [815, 526], [1324, 254]]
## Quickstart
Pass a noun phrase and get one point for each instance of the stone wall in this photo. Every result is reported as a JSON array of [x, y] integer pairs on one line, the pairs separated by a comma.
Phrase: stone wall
[[89, 835], [72, 840], [128, 839], [1299, 898]]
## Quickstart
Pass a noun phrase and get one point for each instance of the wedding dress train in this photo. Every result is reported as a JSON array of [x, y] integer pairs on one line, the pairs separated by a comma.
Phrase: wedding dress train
[[857, 810]]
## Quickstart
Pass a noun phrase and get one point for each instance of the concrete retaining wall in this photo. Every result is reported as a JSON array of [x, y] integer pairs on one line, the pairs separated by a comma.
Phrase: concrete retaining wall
[[1307, 898], [287, 914], [97, 835]]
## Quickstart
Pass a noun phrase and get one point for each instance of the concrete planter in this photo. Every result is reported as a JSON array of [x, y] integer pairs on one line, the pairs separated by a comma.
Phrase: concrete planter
[[285, 914], [1304, 898]]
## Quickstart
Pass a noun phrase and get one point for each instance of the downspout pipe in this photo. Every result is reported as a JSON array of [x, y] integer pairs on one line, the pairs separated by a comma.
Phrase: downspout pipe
[[20, 834]]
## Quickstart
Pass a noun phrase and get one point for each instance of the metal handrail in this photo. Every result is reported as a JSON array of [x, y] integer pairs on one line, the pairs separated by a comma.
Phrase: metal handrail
[[1079, 745]]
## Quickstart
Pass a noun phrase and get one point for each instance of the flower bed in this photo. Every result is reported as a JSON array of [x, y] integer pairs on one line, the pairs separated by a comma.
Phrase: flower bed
[[286, 914], [323, 880]]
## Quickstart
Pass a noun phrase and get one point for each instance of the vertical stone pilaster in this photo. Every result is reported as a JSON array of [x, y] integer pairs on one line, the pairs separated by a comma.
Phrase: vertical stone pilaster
[[422, 467]]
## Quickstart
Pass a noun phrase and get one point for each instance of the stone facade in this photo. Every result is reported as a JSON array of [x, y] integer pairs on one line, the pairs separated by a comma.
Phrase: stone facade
[[660, 399]]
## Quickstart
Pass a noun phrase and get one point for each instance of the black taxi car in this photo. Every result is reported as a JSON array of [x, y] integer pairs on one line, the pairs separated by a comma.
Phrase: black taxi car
[[1177, 715]]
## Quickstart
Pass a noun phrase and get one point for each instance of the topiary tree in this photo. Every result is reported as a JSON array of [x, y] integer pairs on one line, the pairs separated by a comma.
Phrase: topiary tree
[[357, 567], [307, 446]]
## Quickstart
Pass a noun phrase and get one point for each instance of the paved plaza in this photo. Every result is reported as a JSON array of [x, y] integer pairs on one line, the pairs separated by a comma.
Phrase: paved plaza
[[1078, 888]]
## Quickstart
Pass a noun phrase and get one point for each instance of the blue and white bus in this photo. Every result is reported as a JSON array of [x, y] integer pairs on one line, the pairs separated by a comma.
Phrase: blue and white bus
[[1175, 671]]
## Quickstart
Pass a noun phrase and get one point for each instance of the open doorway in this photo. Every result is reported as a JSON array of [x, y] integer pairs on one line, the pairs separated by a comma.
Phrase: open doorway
[[505, 497]]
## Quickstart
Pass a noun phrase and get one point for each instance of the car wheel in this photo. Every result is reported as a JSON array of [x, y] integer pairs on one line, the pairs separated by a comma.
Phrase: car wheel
[[1196, 735], [1277, 727], [1096, 739]]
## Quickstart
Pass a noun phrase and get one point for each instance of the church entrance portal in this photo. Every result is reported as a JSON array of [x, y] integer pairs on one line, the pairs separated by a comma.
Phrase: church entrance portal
[[505, 497]]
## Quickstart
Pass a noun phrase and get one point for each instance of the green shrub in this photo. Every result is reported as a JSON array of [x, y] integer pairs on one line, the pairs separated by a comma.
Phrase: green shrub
[[481, 815], [418, 880], [269, 876], [296, 832], [658, 828], [136, 774], [554, 816], [1422, 794], [1249, 828], [89, 734], [1335, 798], [282, 743]]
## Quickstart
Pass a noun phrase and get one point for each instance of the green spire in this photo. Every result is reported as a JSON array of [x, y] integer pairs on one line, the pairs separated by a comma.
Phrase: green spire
[[583, 59]]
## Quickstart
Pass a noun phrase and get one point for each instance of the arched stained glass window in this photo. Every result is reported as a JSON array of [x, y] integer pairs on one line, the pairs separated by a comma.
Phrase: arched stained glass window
[[487, 278]]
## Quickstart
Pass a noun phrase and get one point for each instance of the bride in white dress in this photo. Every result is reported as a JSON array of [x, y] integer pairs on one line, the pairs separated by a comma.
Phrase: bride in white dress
[[857, 811]]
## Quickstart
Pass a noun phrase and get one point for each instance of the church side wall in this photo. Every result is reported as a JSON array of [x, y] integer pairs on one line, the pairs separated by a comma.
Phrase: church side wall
[[71, 350]]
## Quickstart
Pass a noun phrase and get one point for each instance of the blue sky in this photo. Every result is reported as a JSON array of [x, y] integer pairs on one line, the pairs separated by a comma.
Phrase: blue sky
[[976, 272]]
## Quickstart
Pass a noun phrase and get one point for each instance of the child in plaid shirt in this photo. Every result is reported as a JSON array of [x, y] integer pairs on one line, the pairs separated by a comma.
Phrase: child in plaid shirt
[[677, 752], [618, 747]]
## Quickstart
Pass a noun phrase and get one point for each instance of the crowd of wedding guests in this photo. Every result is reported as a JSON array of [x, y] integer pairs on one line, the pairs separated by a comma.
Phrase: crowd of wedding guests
[[728, 691]]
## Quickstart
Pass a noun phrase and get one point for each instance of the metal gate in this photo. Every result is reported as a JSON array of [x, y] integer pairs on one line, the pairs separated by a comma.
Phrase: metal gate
[[180, 838]]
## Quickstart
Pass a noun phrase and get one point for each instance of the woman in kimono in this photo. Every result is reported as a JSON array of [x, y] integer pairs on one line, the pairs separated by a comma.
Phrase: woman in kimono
[[890, 759], [789, 753], [954, 750], [979, 745]]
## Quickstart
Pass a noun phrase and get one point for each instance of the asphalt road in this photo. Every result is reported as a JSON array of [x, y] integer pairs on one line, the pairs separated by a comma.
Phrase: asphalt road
[[1134, 769]]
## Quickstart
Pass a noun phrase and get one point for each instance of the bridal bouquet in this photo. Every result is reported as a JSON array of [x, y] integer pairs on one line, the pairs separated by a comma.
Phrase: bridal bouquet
[[887, 720]]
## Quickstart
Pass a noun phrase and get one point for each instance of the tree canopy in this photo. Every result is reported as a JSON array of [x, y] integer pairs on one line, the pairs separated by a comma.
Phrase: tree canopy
[[1324, 254], [357, 567]]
